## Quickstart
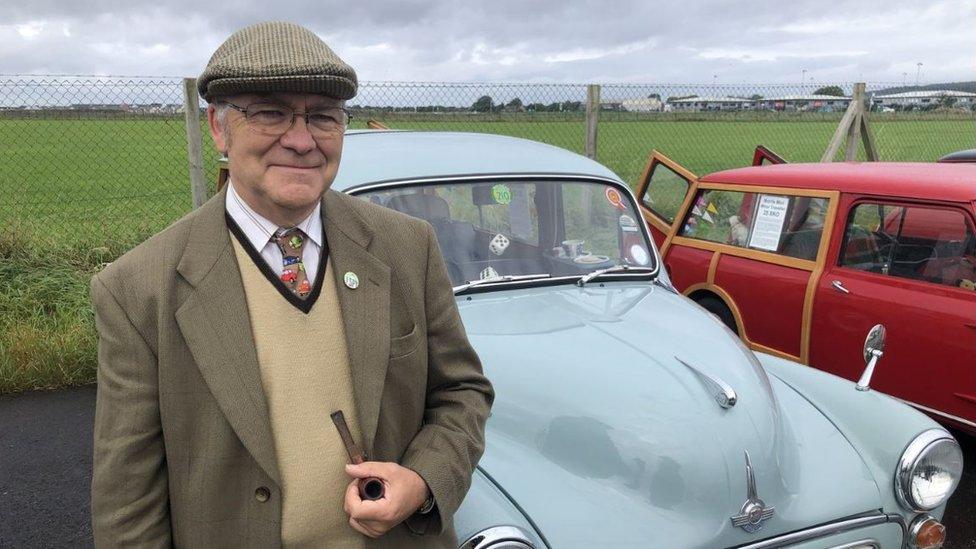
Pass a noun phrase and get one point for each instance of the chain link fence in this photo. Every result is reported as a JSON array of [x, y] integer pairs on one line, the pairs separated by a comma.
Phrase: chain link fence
[[103, 161], [91, 166]]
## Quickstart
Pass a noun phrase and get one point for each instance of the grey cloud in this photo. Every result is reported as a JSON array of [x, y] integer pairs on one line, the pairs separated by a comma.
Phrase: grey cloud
[[512, 40]]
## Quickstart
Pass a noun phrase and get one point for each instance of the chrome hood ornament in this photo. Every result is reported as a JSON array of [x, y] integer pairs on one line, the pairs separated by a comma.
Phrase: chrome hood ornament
[[722, 392], [754, 511]]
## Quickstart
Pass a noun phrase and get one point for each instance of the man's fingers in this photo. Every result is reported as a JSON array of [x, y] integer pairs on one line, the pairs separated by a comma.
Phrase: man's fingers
[[368, 469], [355, 524], [352, 496]]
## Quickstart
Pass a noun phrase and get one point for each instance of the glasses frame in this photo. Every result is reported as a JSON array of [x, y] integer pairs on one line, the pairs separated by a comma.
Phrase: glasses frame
[[264, 130]]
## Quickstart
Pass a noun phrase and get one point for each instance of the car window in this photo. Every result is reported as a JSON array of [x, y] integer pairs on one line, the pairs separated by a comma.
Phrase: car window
[[933, 245], [782, 224], [665, 192], [487, 229]]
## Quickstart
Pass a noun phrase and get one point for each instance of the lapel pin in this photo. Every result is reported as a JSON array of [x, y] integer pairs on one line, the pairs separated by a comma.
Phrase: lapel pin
[[351, 280]]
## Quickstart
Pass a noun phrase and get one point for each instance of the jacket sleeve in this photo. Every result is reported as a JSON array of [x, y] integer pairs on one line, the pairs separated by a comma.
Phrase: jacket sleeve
[[130, 497], [450, 443]]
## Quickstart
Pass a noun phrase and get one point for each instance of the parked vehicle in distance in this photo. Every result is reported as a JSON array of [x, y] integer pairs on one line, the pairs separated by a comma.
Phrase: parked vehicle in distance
[[802, 260], [968, 155], [626, 416]]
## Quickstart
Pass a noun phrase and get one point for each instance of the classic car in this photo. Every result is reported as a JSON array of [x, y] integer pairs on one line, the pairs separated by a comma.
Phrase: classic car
[[802, 260], [625, 415]]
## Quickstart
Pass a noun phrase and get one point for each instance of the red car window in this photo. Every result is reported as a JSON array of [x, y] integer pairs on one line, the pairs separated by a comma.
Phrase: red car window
[[787, 225], [933, 245]]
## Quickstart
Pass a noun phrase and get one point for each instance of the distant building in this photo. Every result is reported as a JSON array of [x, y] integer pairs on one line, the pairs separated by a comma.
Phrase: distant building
[[642, 104], [925, 98], [812, 102], [696, 104]]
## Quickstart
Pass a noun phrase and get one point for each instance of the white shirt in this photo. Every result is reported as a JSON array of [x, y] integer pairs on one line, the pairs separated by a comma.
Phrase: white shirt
[[258, 230]]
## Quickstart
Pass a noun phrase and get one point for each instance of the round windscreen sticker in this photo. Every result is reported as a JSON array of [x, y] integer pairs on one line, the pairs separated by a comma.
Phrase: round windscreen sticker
[[501, 193], [614, 198], [639, 254]]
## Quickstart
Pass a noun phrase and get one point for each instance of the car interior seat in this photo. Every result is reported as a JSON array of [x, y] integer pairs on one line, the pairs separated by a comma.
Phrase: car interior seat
[[456, 238]]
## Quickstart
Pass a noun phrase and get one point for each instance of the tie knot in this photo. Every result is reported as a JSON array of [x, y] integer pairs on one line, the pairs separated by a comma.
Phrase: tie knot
[[290, 240]]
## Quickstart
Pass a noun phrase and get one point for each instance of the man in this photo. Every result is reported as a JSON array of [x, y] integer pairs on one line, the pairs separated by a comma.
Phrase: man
[[228, 339]]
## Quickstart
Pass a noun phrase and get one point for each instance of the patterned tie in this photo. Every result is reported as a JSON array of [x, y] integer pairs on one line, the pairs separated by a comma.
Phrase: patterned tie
[[290, 243]]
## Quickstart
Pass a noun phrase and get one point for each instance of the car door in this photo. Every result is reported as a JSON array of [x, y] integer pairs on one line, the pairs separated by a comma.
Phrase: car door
[[909, 267], [763, 156], [766, 246], [664, 188]]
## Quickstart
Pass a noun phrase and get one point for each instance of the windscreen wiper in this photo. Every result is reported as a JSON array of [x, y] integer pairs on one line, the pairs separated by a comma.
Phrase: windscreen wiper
[[611, 270], [497, 279]]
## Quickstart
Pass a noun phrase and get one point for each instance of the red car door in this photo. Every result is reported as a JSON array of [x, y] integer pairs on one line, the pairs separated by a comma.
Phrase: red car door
[[663, 190], [908, 267]]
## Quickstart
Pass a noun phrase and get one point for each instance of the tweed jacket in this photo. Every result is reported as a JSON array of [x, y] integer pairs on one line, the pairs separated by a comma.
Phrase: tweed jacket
[[183, 448]]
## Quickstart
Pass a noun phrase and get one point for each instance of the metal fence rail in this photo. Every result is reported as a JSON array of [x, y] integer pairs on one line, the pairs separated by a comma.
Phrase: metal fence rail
[[96, 160]]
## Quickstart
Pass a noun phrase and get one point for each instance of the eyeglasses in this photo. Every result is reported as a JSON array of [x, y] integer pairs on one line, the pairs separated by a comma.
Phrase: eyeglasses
[[274, 119]]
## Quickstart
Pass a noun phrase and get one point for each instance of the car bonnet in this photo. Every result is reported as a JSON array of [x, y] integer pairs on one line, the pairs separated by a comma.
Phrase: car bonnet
[[603, 432]]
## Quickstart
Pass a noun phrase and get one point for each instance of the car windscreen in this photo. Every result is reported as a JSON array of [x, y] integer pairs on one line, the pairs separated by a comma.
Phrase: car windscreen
[[495, 228]]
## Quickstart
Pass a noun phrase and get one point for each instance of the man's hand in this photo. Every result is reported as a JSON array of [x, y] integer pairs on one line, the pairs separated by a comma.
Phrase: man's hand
[[405, 492]]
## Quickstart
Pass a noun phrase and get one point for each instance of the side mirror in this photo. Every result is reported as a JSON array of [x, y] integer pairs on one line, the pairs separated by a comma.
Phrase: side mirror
[[873, 351]]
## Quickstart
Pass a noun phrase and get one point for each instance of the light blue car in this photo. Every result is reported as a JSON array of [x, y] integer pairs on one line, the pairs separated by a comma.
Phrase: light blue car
[[626, 415]]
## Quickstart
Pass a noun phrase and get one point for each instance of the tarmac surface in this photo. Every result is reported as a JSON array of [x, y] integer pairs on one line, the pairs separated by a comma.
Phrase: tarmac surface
[[45, 473]]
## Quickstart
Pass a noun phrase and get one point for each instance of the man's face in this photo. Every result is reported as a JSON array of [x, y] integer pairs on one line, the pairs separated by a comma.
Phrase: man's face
[[283, 176]]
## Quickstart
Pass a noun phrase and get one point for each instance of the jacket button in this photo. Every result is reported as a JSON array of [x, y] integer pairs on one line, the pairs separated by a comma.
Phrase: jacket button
[[262, 494]]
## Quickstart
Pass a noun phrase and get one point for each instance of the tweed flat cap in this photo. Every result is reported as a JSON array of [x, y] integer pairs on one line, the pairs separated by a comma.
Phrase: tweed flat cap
[[276, 56]]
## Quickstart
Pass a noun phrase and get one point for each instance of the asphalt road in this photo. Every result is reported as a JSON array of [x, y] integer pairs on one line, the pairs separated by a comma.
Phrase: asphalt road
[[45, 472]]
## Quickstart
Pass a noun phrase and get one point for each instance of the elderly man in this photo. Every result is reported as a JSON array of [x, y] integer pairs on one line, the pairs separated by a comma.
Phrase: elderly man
[[228, 340]]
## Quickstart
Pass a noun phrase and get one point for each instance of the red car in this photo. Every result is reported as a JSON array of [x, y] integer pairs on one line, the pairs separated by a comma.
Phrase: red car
[[802, 260]]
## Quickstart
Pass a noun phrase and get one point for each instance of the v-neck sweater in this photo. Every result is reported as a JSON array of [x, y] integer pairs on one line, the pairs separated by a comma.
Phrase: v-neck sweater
[[305, 374]]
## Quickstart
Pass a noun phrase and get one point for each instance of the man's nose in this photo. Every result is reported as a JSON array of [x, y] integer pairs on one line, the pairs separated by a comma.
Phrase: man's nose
[[298, 138]]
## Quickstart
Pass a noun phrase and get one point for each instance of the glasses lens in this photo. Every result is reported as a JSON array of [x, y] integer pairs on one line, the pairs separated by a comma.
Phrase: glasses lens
[[328, 120], [269, 118]]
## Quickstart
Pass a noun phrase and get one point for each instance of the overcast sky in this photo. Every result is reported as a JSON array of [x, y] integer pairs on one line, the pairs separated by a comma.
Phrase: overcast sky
[[726, 42]]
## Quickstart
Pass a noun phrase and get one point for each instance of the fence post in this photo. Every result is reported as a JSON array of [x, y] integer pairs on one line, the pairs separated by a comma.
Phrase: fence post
[[592, 118], [194, 142], [854, 124]]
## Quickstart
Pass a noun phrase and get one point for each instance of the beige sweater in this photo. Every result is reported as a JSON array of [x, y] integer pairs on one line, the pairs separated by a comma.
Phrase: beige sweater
[[305, 374]]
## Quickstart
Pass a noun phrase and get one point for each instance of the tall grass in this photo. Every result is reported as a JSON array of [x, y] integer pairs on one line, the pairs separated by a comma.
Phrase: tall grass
[[47, 327]]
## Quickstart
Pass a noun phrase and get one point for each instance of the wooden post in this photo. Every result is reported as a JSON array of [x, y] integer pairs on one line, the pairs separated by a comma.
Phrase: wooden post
[[854, 124], [857, 101], [592, 118], [194, 142], [840, 132], [870, 149]]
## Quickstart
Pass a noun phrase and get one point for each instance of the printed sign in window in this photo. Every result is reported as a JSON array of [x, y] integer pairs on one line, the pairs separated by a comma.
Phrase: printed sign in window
[[768, 227]]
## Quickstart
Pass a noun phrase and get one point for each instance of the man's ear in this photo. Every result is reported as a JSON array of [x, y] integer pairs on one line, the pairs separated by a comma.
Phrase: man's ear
[[216, 132]]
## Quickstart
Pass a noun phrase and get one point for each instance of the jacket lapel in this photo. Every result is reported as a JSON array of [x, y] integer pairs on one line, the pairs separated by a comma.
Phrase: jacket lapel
[[215, 323], [365, 309]]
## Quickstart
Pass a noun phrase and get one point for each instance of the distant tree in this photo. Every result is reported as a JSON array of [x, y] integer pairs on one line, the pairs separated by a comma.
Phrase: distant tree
[[483, 104], [830, 90], [755, 97], [654, 96], [535, 107], [947, 101], [515, 105]]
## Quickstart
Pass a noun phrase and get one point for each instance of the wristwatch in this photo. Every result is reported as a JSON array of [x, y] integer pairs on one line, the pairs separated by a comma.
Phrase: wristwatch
[[428, 505]]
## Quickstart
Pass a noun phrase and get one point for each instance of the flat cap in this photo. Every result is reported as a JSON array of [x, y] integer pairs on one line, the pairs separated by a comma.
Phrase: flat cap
[[275, 56]]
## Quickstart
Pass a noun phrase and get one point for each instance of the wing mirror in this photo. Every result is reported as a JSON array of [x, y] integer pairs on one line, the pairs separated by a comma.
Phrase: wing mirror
[[873, 351]]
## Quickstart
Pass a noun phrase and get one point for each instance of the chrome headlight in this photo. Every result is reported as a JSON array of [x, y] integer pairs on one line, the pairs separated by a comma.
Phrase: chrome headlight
[[929, 470]]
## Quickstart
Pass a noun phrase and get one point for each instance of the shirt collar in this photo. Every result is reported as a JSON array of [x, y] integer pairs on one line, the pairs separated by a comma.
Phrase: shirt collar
[[258, 229]]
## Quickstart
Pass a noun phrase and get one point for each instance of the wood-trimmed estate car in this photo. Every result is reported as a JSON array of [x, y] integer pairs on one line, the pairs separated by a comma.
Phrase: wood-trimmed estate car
[[802, 260]]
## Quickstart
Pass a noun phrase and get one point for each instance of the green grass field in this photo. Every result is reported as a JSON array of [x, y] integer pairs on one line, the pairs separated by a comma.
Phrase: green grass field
[[75, 194]]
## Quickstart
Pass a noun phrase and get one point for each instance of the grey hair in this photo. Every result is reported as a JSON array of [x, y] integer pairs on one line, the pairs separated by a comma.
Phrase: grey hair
[[220, 109]]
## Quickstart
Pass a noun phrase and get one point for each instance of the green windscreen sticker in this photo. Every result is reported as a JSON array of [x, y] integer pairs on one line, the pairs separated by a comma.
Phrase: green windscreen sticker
[[501, 193]]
